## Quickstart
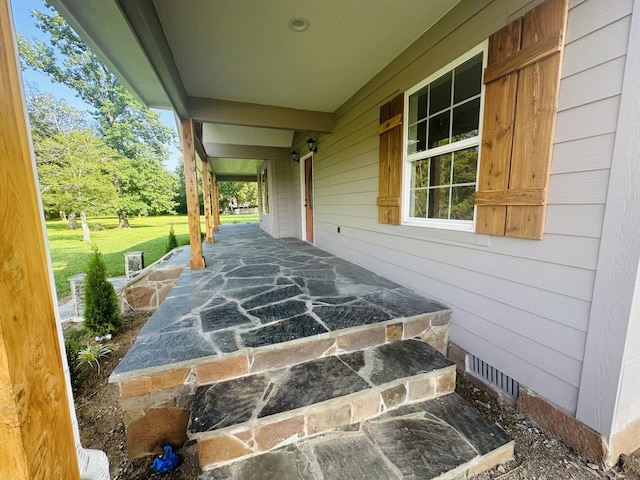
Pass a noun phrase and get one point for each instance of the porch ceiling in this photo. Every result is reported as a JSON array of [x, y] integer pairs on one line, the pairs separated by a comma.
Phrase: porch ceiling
[[238, 62]]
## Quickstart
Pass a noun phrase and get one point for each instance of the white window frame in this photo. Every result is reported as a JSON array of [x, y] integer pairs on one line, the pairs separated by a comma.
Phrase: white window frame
[[463, 225]]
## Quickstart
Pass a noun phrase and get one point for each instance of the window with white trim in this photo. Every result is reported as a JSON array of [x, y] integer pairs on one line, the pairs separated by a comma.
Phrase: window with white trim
[[442, 142]]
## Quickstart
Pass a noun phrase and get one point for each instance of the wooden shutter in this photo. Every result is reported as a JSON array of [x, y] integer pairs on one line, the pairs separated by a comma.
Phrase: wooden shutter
[[522, 81], [390, 181]]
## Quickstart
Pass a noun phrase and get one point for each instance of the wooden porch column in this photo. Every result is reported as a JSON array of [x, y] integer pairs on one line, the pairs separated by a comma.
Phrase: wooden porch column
[[206, 194], [216, 202], [191, 186], [36, 433]]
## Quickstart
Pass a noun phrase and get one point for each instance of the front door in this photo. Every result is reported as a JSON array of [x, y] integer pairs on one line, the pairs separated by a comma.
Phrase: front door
[[308, 198]]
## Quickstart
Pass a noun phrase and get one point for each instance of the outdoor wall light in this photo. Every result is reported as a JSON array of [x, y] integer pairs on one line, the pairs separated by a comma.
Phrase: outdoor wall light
[[295, 157], [312, 145]]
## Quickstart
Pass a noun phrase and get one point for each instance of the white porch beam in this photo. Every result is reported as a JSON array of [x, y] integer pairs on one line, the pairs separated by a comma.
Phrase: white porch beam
[[254, 115], [144, 22], [223, 150]]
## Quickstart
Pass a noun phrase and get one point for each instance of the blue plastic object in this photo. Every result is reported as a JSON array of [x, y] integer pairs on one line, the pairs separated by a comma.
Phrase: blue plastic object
[[166, 462]]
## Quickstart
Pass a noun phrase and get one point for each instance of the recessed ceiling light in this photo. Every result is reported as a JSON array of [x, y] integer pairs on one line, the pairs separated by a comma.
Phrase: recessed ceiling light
[[298, 24]]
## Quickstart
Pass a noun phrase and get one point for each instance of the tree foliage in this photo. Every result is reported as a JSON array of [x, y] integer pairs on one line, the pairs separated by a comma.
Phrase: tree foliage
[[125, 125], [237, 193], [75, 167], [101, 310], [76, 172]]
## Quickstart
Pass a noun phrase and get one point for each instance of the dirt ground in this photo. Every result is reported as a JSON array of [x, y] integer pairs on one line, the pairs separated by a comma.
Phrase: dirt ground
[[100, 417], [537, 455]]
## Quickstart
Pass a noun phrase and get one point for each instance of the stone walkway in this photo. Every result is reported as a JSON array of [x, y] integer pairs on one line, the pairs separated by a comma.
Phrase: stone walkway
[[259, 291]]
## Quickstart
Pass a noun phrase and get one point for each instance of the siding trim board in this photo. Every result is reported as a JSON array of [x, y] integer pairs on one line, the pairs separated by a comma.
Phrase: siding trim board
[[610, 397]]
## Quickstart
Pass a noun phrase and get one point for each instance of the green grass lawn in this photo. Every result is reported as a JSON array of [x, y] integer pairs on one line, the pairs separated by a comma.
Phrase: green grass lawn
[[69, 254]]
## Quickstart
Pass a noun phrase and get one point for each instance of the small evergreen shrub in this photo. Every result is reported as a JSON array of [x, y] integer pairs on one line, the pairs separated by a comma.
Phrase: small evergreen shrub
[[173, 241], [101, 310]]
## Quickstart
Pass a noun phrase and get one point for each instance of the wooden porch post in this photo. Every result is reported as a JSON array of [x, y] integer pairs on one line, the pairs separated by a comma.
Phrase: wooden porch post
[[206, 194], [216, 202], [36, 433], [191, 185]]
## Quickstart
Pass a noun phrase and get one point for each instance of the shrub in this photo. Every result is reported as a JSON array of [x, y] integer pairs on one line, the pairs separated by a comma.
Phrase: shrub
[[173, 241], [101, 310], [73, 344], [92, 353]]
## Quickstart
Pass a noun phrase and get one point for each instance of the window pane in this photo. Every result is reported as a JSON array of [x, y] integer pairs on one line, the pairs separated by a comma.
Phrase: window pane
[[465, 120], [440, 170], [439, 202], [417, 138], [420, 174], [418, 207], [440, 94], [418, 105], [468, 79], [439, 129], [462, 199], [465, 165]]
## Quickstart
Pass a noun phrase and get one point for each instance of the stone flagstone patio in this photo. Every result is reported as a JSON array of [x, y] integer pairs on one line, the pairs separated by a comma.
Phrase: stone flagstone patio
[[280, 347], [258, 291]]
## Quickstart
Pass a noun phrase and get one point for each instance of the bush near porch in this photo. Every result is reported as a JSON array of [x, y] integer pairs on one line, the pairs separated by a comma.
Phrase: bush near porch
[[69, 254]]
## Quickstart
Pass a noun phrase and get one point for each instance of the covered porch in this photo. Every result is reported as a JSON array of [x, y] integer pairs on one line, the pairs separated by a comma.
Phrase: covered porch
[[276, 342]]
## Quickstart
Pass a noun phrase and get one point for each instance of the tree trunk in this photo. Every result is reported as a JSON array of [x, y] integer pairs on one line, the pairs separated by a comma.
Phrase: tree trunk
[[124, 221], [63, 215], [86, 236], [72, 223]]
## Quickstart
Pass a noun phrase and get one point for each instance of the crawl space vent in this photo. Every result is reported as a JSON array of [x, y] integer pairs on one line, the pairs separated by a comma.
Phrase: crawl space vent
[[500, 381]]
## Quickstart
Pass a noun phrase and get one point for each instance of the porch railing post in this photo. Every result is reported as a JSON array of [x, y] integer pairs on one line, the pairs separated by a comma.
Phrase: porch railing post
[[191, 186], [216, 202], [36, 430], [206, 194]]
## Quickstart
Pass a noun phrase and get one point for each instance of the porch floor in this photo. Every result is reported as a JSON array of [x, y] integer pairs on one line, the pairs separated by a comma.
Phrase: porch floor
[[282, 359], [256, 292]]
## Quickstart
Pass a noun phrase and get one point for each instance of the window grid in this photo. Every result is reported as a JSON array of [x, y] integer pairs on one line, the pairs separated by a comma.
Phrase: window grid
[[427, 206]]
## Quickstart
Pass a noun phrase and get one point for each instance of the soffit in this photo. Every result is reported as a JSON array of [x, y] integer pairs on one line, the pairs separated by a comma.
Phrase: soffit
[[243, 50], [107, 33], [234, 167]]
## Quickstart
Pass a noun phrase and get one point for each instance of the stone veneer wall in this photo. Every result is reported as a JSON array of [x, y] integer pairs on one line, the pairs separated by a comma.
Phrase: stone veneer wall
[[156, 407], [150, 290]]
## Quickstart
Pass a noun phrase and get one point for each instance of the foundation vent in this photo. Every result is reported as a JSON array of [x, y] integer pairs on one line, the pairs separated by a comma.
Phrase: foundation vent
[[500, 381]]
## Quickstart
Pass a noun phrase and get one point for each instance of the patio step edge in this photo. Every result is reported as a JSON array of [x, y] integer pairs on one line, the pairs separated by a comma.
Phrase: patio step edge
[[443, 438], [431, 327], [270, 409]]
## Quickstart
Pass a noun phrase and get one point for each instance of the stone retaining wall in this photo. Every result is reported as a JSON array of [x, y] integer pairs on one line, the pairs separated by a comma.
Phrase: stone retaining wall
[[150, 290]]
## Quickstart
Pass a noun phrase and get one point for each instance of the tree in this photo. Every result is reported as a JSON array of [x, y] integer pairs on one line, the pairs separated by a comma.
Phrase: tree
[[126, 125], [75, 167], [49, 116], [101, 310], [76, 173], [244, 193], [180, 198]]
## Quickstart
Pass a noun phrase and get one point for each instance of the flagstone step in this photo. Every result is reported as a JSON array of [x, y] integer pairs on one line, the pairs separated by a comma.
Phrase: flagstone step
[[432, 328], [253, 414], [443, 438]]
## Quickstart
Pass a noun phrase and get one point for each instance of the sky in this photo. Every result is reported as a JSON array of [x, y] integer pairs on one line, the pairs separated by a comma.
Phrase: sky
[[24, 25]]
